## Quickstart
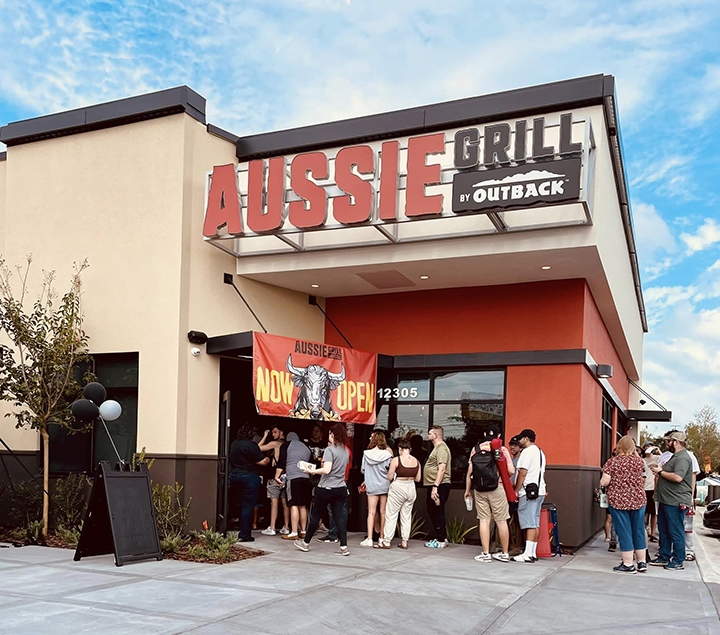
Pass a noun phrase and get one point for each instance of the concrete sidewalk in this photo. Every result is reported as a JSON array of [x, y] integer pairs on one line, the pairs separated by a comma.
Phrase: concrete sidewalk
[[372, 591]]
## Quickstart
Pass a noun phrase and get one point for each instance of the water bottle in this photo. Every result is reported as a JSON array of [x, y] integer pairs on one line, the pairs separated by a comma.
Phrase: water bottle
[[689, 518], [468, 503]]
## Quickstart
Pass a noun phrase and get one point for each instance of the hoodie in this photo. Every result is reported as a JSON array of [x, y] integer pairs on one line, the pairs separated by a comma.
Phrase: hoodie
[[292, 452], [375, 465]]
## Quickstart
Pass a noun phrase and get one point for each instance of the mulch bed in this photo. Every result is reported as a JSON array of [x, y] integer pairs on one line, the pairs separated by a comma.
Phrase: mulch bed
[[235, 554]]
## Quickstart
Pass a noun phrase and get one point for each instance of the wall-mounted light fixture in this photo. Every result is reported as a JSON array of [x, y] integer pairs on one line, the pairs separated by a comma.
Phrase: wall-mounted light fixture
[[604, 371]]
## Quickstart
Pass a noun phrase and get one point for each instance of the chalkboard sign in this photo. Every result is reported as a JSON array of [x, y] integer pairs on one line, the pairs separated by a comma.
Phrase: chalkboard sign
[[120, 518]]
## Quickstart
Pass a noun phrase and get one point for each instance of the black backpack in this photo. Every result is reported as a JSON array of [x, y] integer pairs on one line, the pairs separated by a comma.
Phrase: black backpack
[[485, 476]]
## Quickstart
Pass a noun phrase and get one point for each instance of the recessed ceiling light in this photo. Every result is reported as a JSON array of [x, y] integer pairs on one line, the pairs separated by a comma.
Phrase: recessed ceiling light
[[546, 267], [424, 277], [315, 286]]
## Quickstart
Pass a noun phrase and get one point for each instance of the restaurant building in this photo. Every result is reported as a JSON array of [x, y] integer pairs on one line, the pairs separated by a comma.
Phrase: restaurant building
[[482, 248]]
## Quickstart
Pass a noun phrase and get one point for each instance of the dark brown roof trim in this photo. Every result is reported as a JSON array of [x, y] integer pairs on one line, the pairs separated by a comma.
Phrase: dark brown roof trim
[[223, 134], [545, 98], [181, 99]]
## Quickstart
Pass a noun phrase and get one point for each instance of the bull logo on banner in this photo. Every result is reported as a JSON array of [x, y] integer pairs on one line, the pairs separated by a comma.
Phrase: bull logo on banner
[[315, 383], [313, 380]]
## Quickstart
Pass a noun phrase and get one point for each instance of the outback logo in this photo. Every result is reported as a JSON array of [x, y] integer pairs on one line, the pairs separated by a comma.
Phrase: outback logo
[[521, 186]]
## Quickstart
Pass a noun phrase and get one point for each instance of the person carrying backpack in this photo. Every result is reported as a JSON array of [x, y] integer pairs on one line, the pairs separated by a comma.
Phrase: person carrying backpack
[[483, 478]]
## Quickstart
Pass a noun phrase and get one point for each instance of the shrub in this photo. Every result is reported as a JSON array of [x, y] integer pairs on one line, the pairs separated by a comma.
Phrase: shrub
[[25, 503], [417, 525], [32, 534], [69, 501], [456, 532], [171, 515], [69, 536], [212, 545], [174, 544]]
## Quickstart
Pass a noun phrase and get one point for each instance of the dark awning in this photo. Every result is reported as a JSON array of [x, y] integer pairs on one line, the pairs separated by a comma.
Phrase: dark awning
[[656, 416], [233, 345]]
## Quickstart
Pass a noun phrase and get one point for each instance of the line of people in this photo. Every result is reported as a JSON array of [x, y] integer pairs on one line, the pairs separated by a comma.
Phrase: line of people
[[673, 476], [390, 484]]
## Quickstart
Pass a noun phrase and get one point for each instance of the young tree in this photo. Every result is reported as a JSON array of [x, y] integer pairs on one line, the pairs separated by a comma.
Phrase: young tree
[[703, 437], [46, 345]]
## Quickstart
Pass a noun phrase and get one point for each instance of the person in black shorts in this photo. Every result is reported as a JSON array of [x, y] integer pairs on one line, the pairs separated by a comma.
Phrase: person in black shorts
[[299, 487]]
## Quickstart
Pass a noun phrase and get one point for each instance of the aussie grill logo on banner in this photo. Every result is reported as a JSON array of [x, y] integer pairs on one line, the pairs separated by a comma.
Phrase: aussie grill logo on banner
[[309, 380], [495, 167]]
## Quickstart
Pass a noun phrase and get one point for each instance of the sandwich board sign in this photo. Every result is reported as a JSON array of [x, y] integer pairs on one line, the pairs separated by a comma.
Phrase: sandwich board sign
[[120, 518]]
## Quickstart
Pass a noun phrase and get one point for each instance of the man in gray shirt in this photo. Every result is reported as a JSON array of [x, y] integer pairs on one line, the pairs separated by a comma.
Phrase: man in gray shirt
[[298, 486], [673, 492]]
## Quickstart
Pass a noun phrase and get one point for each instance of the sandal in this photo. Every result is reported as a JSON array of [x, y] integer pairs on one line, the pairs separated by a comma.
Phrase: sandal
[[383, 545], [402, 546]]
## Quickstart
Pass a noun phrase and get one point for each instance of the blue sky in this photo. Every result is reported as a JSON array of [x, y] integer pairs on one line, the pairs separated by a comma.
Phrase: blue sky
[[273, 65]]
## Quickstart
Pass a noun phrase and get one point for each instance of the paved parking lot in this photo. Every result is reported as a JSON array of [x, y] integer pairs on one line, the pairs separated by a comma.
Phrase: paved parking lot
[[373, 591]]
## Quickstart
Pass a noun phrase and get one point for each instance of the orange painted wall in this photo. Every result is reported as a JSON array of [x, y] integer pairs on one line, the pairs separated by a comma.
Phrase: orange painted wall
[[596, 340], [561, 403], [518, 317]]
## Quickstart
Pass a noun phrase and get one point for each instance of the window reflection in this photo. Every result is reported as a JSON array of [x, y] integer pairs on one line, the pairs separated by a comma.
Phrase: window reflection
[[420, 384], [457, 386], [464, 425]]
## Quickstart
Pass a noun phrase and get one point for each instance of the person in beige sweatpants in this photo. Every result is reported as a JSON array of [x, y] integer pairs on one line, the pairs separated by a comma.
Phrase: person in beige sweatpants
[[404, 472]]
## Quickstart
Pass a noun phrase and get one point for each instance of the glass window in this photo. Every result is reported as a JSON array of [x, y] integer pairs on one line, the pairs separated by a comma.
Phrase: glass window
[[467, 386], [607, 434], [118, 372], [413, 417], [463, 425]]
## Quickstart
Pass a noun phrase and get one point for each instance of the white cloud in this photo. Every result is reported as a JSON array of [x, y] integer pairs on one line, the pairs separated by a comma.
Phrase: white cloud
[[707, 235], [682, 361], [652, 234]]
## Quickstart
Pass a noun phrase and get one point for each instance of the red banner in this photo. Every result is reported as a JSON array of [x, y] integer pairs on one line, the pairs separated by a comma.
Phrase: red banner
[[309, 380]]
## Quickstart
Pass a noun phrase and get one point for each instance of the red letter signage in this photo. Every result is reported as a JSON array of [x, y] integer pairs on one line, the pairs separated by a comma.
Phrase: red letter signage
[[344, 211], [272, 218], [419, 174], [388, 180], [223, 206], [315, 214]]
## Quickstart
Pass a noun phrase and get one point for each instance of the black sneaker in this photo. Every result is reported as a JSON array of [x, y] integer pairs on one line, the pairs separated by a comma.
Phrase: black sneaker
[[657, 562], [612, 546], [248, 539], [674, 566], [642, 567], [328, 539], [623, 568]]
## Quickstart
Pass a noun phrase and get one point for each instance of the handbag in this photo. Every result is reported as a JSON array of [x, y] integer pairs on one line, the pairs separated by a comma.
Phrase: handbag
[[532, 490], [601, 497]]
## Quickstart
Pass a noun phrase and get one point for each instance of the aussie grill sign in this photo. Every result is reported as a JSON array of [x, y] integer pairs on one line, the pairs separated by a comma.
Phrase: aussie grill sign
[[490, 168], [309, 380]]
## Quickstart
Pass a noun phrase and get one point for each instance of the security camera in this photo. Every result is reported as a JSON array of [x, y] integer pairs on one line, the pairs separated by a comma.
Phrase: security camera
[[197, 337], [195, 351]]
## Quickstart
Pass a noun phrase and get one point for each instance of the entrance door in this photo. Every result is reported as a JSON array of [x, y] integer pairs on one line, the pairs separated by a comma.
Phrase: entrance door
[[221, 519]]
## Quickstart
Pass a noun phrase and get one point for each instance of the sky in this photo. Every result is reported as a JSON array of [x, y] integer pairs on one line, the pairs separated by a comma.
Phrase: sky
[[269, 65]]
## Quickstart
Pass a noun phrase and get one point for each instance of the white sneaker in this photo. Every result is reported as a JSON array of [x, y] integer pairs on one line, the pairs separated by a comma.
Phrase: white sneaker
[[268, 532], [502, 557], [343, 551], [284, 531], [522, 558], [483, 557], [367, 542]]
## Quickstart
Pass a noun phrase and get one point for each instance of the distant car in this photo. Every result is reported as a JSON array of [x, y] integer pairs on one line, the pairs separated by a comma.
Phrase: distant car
[[711, 518]]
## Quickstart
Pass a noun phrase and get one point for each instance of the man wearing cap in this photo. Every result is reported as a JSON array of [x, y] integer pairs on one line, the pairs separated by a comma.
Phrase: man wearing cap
[[490, 504], [531, 476], [673, 492]]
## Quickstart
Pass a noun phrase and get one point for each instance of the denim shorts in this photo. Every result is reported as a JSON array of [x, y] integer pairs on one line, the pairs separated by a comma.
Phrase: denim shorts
[[529, 512]]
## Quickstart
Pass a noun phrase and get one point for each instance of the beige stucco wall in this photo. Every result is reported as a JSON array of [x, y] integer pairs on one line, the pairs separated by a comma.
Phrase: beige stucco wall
[[130, 200]]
